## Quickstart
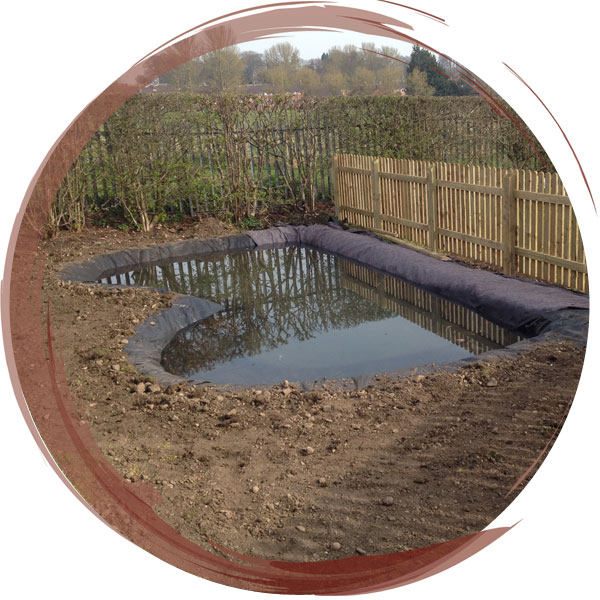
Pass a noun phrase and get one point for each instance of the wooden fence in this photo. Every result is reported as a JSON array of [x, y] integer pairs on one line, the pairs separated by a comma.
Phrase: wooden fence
[[518, 222]]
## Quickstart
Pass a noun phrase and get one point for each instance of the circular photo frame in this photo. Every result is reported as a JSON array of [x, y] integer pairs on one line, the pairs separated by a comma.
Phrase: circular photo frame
[[78, 439]]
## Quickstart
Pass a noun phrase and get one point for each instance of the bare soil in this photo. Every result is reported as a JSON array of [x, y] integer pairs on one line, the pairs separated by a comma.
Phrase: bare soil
[[280, 473]]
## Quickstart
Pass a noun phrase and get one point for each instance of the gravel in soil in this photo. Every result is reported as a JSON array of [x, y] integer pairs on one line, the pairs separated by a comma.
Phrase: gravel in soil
[[280, 473]]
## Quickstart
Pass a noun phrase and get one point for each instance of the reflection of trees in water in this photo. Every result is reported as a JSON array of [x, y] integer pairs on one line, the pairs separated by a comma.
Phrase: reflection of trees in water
[[269, 298]]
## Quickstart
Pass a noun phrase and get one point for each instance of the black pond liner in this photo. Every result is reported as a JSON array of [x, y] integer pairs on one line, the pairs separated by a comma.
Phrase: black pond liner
[[542, 311]]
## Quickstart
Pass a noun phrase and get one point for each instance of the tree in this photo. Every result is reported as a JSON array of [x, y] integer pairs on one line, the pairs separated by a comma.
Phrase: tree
[[308, 81], [282, 61], [282, 55], [362, 82], [453, 69], [344, 60], [423, 61], [223, 69], [280, 78], [253, 65], [416, 84], [391, 78], [350, 60], [315, 64], [185, 77], [443, 83], [370, 59], [392, 57], [334, 83]]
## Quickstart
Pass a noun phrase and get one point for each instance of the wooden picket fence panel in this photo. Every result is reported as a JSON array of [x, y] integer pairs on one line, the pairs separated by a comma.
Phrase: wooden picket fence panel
[[518, 222]]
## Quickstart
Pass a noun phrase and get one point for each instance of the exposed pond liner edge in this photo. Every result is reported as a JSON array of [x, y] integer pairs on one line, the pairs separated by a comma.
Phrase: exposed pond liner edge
[[548, 312]]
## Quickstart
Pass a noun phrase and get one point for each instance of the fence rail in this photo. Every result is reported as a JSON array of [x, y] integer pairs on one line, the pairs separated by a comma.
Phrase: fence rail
[[519, 222]]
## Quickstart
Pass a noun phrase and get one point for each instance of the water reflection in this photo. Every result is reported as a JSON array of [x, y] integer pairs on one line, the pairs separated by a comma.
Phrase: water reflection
[[299, 314]]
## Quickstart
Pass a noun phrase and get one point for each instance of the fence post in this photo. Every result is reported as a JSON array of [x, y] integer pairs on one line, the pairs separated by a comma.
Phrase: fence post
[[375, 193], [336, 198], [509, 224], [432, 209], [380, 289], [436, 314]]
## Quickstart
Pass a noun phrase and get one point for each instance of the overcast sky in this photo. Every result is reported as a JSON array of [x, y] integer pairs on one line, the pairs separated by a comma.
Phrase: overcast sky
[[314, 43]]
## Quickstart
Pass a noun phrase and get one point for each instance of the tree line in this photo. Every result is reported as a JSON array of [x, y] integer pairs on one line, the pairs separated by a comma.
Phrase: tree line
[[347, 70]]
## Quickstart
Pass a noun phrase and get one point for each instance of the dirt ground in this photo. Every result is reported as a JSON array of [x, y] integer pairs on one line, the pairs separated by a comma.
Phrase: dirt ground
[[280, 473]]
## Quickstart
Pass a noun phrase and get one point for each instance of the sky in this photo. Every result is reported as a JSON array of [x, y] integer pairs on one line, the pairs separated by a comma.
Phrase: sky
[[314, 44]]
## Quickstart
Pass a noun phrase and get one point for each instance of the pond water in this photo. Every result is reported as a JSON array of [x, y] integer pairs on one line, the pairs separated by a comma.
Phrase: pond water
[[299, 314]]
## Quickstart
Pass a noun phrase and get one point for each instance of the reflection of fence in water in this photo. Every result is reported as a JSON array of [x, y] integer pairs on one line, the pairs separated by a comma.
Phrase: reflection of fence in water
[[269, 297], [446, 319]]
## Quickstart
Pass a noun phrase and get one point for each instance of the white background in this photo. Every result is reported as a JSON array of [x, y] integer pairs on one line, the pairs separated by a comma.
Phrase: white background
[[57, 56]]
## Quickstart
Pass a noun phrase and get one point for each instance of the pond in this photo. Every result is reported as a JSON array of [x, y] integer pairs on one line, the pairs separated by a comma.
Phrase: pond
[[300, 314]]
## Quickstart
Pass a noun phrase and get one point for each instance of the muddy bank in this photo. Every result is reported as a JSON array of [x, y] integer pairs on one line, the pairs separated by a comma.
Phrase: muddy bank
[[279, 472]]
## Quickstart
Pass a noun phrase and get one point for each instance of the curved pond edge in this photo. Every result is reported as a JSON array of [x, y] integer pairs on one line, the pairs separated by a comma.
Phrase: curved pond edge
[[546, 312]]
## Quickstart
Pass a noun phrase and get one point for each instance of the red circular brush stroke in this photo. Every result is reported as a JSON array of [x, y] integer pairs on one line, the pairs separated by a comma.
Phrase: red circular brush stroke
[[38, 376]]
